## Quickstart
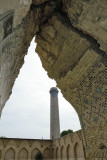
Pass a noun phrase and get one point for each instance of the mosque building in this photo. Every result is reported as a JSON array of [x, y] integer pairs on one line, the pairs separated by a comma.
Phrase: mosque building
[[68, 147]]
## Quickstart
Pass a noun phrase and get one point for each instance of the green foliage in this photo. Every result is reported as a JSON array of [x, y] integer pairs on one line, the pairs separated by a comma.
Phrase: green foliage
[[39, 156], [63, 133]]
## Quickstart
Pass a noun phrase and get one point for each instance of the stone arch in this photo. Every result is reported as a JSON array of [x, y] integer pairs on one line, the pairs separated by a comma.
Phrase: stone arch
[[0, 153], [82, 81], [75, 138], [81, 53], [24, 143], [62, 153], [69, 152], [34, 153], [9, 154], [47, 154], [69, 139], [11, 143], [23, 154], [53, 152], [36, 144], [62, 141], [57, 153], [76, 151]]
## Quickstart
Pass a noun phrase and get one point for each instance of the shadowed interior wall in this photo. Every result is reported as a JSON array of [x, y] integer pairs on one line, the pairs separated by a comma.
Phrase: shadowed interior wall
[[57, 153], [47, 154], [23, 154], [10, 154], [69, 152], [53, 153], [62, 153], [76, 151], [34, 153]]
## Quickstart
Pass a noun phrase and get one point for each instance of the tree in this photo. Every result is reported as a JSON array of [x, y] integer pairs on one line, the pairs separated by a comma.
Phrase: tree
[[39, 156], [65, 132]]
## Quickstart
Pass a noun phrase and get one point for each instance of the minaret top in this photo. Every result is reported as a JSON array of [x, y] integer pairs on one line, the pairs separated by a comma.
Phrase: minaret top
[[53, 89]]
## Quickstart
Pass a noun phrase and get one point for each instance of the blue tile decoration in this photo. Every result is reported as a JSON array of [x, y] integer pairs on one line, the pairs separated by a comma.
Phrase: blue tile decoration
[[95, 119], [85, 100], [98, 90]]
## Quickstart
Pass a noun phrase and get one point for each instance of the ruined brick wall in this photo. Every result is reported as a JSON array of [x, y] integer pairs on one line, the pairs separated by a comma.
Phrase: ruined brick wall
[[71, 38]]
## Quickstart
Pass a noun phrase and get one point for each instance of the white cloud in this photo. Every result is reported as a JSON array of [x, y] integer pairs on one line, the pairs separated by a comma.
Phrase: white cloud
[[27, 112]]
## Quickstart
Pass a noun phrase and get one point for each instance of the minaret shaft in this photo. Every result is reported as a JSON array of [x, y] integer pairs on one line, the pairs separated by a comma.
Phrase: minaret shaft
[[54, 114]]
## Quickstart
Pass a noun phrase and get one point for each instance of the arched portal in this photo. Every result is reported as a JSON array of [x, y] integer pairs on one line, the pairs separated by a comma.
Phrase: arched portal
[[23, 154], [72, 52], [34, 153], [10, 154], [68, 152], [77, 151], [81, 78], [47, 154], [62, 153], [57, 153]]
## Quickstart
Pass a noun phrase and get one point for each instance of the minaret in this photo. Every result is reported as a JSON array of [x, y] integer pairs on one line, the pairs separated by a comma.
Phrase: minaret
[[54, 114]]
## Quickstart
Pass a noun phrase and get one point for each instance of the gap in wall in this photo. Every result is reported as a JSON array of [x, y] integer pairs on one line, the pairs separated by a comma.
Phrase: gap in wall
[[27, 112]]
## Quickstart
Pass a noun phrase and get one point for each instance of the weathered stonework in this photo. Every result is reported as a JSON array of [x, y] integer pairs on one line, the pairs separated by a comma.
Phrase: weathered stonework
[[12, 51], [69, 147], [24, 149], [90, 17], [71, 38]]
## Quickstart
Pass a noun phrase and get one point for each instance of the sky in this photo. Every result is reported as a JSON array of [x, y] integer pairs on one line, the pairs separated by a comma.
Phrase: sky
[[27, 112]]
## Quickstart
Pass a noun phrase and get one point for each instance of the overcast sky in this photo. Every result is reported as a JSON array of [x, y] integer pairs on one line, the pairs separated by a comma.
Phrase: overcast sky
[[27, 112]]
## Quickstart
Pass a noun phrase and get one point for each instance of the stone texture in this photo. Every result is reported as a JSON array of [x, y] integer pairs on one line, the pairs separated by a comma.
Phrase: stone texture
[[24, 149], [12, 51], [20, 9], [90, 17], [37, 2], [71, 38], [79, 73], [69, 146], [14, 46]]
